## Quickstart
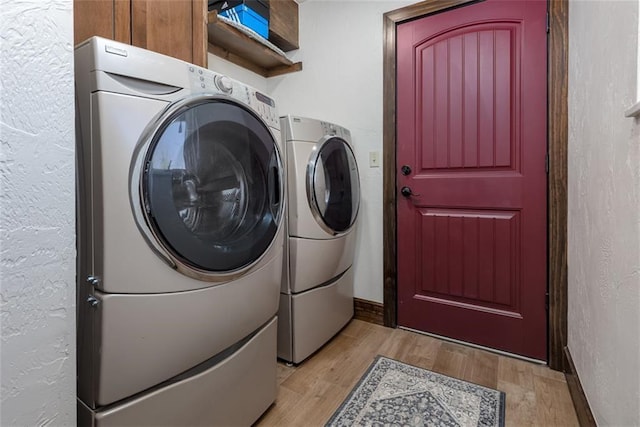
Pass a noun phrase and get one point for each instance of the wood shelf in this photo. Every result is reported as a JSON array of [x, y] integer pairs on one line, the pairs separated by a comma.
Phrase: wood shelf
[[235, 46]]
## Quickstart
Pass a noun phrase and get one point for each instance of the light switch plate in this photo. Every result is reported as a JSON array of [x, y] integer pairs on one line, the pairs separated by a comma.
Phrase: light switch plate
[[374, 159]]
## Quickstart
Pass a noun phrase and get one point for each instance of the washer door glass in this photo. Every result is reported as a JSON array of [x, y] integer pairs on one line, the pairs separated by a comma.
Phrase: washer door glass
[[333, 186], [212, 187]]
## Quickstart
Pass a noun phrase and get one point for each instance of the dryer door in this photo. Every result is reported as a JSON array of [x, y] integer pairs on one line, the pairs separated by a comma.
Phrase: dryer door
[[210, 187], [333, 186]]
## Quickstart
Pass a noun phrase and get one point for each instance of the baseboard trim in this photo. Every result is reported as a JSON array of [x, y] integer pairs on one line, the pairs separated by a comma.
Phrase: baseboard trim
[[368, 311], [585, 416]]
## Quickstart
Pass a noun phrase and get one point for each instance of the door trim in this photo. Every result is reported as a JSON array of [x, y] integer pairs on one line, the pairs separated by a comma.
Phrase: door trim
[[557, 134]]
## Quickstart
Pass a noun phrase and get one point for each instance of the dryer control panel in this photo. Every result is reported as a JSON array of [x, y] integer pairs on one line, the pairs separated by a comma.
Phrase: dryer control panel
[[203, 80], [335, 130]]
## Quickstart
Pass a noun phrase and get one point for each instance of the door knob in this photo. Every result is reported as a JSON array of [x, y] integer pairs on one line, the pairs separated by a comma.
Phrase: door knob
[[406, 192], [406, 170]]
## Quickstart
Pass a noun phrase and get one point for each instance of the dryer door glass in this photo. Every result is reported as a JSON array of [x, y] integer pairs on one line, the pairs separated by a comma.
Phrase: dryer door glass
[[334, 186], [212, 186]]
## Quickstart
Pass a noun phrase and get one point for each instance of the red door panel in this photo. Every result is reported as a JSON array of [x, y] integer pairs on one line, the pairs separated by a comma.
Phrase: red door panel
[[468, 257], [471, 125]]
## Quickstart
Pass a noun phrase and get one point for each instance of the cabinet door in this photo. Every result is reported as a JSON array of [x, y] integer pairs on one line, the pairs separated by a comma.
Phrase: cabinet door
[[172, 27], [104, 18]]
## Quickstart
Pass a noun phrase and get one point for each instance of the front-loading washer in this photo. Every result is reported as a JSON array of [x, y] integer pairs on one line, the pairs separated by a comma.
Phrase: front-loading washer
[[316, 299], [180, 241]]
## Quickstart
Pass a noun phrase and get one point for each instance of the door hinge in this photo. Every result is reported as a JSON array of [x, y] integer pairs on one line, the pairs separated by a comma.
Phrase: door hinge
[[546, 301], [546, 163], [548, 22]]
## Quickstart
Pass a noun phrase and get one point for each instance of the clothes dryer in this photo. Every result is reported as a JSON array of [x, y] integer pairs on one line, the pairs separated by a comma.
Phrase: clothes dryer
[[180, 236], [316, 299]]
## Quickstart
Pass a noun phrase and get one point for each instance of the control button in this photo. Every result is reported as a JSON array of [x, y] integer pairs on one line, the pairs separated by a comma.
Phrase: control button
[[192, 69], [199, 71], [223, 83], [202, 85]]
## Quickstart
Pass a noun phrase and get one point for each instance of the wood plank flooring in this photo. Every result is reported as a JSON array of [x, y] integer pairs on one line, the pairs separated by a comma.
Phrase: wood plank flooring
[[309, 393]]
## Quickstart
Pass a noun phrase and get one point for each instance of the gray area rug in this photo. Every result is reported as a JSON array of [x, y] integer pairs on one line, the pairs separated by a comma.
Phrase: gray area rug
[[392, 393]]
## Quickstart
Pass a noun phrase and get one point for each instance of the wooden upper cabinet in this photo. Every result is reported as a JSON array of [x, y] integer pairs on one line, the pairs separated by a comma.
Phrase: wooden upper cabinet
[[172, 27], [105, 18]]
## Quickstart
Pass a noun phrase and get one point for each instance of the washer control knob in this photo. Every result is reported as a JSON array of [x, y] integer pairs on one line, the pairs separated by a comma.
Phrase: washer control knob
[[224, 83]]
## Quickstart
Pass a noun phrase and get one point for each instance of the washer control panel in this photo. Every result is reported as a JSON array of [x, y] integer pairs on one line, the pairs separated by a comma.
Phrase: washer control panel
[[265, 106], [203, 80]]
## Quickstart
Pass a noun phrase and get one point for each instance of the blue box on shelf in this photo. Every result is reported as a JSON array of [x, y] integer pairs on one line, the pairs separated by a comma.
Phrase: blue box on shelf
[[253, 14]]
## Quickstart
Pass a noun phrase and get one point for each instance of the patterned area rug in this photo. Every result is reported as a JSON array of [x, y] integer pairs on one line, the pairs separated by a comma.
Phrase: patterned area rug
[[392, 393]]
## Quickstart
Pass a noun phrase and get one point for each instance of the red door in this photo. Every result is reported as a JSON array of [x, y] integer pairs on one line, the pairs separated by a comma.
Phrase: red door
[[471, 131]]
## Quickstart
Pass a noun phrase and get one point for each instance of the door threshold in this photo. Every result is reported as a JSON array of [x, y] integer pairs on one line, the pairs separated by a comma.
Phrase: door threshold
[[478, 346]]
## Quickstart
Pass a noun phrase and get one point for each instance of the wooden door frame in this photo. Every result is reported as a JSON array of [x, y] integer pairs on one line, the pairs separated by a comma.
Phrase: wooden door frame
[[557, 178]]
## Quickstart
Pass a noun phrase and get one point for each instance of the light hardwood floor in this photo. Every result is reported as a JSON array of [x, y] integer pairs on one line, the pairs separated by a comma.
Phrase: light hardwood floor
[[309, 393]]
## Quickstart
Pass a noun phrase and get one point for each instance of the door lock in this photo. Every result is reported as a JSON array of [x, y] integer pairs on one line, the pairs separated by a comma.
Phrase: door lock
[[406, 170]]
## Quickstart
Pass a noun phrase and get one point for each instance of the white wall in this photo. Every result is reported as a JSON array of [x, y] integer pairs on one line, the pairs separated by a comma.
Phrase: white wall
[[341, 82], [638, 63], [604, 208], [37, 221]]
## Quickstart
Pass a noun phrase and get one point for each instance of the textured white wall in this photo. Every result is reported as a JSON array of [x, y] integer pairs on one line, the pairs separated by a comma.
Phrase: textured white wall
[[341, 82], [604, 208], [37, 214], [638, 63]]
